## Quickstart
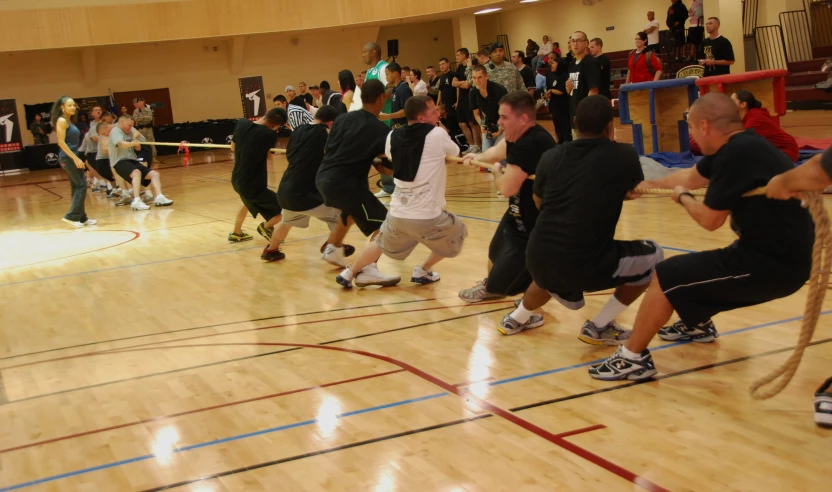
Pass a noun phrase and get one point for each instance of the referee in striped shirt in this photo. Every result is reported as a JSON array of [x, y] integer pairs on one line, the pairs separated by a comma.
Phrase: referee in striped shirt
[[297, 115]]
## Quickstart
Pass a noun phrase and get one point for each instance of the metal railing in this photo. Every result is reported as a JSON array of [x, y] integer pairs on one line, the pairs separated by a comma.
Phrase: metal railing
[[749, 17], [771, 48], [798, 43], [820, 21], [503, 39]]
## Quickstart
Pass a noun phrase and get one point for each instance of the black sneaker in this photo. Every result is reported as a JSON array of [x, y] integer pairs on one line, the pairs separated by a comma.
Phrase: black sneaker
[[823, 405], [618, 368], [680, 332], [264, 231], [270, 255]]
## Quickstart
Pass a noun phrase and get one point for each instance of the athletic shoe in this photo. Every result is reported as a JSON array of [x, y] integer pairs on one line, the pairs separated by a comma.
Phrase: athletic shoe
[[618, 368], [422, 276], [99, 188], [148, 195], [478, 293], [147, 199], [612, 334], [90, 222], [510, 326], [264, 231], [472, 149], [348, 250], [137, 204], [370, 275], [162, 201], [678, 331], [270, 255], [114, 193], [239, 238], [382, 194], [345, 278], [126, 199], [335, 255], [73, 223], [823, 404]]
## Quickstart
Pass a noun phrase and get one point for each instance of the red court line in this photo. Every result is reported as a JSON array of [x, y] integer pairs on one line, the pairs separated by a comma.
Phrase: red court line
[[199, 410], [285, 325], [136, 235], [467, 395]]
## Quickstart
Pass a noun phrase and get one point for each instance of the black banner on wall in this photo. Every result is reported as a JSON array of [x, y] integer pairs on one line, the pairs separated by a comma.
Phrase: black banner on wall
[[253, 96], [11, 144]]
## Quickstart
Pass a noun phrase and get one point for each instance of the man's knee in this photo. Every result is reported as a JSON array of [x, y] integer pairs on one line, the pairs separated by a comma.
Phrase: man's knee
[[152, 175]]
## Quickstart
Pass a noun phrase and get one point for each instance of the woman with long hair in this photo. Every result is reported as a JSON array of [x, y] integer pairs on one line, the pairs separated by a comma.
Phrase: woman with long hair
[[558, 98], [346, 80], [756, 117], [69, 139]]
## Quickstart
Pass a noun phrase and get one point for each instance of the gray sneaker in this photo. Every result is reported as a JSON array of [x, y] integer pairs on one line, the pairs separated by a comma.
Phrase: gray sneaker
[[510, 326], [678, 331], [618, 368], [478, 293], [612, 334]]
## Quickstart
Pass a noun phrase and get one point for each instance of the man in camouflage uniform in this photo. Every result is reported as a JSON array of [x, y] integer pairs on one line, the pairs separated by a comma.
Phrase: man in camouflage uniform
[[143, 117], [502, 71]]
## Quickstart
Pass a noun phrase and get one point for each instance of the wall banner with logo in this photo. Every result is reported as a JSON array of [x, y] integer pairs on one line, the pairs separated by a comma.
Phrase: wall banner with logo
[[253, 97], [11, 144]]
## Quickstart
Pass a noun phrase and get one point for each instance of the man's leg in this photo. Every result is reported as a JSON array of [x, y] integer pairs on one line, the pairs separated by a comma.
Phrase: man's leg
[[523, 317], [238, 221], [653, 313], [466, 130], [136, 177], [155, 182], [279, 235]]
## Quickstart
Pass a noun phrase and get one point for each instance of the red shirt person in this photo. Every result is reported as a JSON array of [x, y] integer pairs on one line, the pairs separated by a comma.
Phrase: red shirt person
[[643, 66]]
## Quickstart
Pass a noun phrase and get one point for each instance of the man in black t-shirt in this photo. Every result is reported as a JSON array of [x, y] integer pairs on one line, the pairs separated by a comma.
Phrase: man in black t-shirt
[[677, 15], [584, 76], [525, 141], [252, 143], [485, 99], [525, 71], [464, 112], [307, 96], [771, 259], [356, 139], [447, 91], [580, 188], [298, 195], [596, 49], [716, 54]]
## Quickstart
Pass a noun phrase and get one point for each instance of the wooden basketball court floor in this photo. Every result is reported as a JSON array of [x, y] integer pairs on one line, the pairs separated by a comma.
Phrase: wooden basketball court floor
[[148, 353]]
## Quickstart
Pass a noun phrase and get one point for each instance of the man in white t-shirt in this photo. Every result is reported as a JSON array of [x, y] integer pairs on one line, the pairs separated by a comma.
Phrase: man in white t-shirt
[[652, 30], [417, 208]]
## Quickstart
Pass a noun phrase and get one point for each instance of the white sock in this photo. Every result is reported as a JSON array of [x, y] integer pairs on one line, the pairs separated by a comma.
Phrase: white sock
[[521, 314], [347, 274], [609, 312], [95, 181], [629, 354], [109, 186]]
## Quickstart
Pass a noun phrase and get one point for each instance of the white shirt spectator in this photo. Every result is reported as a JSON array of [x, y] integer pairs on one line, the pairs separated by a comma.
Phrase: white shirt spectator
[[420, 88], [653, 37], [696, 9], [298, 116], [424, 197], [545, 49]]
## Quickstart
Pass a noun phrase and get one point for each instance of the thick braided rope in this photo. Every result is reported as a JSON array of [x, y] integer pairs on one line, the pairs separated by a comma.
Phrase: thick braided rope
[[819, 279]]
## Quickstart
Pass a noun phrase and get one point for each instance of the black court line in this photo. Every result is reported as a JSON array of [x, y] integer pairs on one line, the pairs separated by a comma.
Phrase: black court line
[[173, 371], [253, 320], [470, 419]]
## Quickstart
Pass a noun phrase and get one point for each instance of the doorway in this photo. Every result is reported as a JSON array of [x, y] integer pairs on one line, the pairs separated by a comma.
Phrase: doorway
[[157, 99]]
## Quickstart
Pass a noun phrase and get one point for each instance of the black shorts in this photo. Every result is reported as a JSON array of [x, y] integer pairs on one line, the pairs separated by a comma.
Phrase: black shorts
[[700, 285], [261, 202], [626, 263], [145, 155], [507, 253], [463, 111], [696, 34], [125, 168], [357, 202], [104, 169], [678, 36]]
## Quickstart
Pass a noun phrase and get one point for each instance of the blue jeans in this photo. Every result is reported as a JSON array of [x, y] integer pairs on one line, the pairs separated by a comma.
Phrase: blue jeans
[[488, 143], [78, 184]]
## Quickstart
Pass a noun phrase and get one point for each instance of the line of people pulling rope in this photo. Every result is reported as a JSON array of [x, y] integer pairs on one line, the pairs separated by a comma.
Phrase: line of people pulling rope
[[556, 238]]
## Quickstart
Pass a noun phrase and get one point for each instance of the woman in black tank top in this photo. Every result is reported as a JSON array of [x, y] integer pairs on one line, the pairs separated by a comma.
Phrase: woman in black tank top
[[69, 139]]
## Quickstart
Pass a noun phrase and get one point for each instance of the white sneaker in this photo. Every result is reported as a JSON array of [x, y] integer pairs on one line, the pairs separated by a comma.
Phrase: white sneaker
[[90, 222], [335, 255], [422, 276], [382, 194], [162, 201], [472, 149], [148, 195], [73, 223], [345, 279], [138, 204], [369, 275]]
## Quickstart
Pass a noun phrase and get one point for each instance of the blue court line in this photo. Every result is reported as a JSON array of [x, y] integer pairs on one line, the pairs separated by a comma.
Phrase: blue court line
[[149, 263], [370, 409], [497, 221], [217, 441]]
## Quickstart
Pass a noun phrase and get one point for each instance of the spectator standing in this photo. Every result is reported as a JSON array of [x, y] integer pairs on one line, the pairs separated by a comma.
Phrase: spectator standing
[[526, 71], [596, 49], [558, 98], [144, 121], [584, 75], [485, 101], [293, 98], [464, 111], [652, 30], [643, 64], [417, 85], [433, 82], [677, 15], [346, 101], [717, 54], [307, 97], [37, 131], [502, 71]]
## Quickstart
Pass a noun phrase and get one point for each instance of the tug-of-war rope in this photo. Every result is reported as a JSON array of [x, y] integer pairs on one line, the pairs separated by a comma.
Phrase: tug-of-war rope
[[818, 280]]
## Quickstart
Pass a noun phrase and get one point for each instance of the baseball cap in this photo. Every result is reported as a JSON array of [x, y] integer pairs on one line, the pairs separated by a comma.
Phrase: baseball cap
[[289, 88], [494, 46]]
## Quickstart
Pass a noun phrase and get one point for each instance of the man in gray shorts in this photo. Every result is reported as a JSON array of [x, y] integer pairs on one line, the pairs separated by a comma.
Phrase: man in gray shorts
[[417, 207], [298, 195]]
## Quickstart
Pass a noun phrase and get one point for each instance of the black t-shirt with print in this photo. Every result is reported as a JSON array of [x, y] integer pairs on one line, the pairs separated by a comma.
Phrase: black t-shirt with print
[[448, 91], [717, 49], [252, 143], [770, 231], [297, 191], [585, 75], [526, 153]]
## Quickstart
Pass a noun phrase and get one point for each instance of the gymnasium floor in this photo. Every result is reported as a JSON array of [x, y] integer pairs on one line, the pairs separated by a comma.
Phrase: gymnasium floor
[[148, 353]]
